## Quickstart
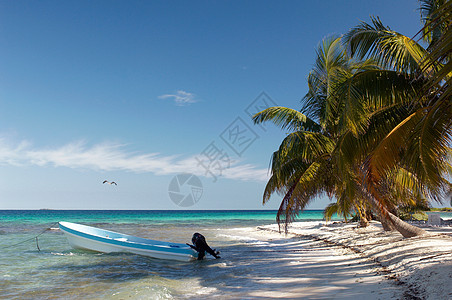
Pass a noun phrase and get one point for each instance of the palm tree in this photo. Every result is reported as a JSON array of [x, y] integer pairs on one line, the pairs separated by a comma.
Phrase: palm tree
[[309, 160], [349, 104], [419, 139], [379, 134]]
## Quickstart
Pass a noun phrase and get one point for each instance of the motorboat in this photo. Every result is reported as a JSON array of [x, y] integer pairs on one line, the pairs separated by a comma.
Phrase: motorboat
[[101, 240]]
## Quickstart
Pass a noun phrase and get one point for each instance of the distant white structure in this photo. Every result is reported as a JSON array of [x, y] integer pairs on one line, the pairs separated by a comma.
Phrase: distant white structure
[[434, 220]]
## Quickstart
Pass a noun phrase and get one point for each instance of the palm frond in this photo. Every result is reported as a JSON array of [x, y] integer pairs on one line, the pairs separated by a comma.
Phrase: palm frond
[[286, 118], [428, 153], [301, 193], [391, 49], [367, 92], [405, 187], [294, 155], [330, 210], [432, 11], [304, 145], [438, 63], [380, 123], [332, 60], [284, 174], [387, 153]]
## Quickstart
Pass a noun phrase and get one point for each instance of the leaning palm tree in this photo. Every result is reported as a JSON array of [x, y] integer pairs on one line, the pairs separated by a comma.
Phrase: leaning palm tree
[[367, 132], [340, 112], [420, 138]]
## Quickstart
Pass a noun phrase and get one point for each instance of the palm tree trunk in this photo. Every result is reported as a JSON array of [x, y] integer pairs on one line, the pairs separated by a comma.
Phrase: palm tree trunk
[[387, 225], [363, 222], [405, 229]]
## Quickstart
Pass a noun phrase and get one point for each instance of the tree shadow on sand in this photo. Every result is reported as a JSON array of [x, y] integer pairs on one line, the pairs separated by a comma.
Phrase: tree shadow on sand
[[281, 267]]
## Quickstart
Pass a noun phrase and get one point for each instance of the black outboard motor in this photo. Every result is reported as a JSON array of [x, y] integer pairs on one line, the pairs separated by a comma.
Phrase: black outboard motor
[[200, 245]]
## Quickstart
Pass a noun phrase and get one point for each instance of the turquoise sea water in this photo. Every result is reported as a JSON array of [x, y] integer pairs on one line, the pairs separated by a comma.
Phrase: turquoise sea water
[[145, 216], [57, 271]]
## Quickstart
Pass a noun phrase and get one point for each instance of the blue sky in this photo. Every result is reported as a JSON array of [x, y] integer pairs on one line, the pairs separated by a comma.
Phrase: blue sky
[[138, 92]]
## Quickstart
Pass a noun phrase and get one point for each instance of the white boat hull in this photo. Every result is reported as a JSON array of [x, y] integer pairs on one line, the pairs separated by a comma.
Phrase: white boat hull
[[96, 239]]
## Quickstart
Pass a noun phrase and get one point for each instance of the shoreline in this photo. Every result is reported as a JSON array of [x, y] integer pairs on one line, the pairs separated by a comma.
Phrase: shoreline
[[420, 267], [315, 261]]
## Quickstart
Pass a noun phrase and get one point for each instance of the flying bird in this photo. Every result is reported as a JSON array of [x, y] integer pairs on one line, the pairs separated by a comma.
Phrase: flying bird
[[106, 181]]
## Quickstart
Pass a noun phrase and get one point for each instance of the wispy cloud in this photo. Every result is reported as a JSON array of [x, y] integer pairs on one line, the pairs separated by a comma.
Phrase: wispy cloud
[[115, 157], [180, 98]]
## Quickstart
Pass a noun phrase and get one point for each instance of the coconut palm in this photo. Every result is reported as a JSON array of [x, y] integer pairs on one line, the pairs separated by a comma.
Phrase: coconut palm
[[379, 134], [420, 140], [308, 162], [341, 112]]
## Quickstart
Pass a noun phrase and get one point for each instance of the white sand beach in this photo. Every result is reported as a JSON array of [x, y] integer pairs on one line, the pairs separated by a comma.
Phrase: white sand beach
[[340, 261]]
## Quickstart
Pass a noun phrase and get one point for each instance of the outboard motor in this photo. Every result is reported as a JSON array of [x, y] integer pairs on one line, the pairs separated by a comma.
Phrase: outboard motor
[[200, 245]]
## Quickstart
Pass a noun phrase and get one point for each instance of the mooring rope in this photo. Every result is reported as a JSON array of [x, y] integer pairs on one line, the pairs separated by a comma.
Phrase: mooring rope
[[33, 238]]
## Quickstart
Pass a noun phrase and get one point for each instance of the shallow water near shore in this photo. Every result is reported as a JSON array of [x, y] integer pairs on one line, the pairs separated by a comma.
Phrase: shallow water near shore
[[58, 271]]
